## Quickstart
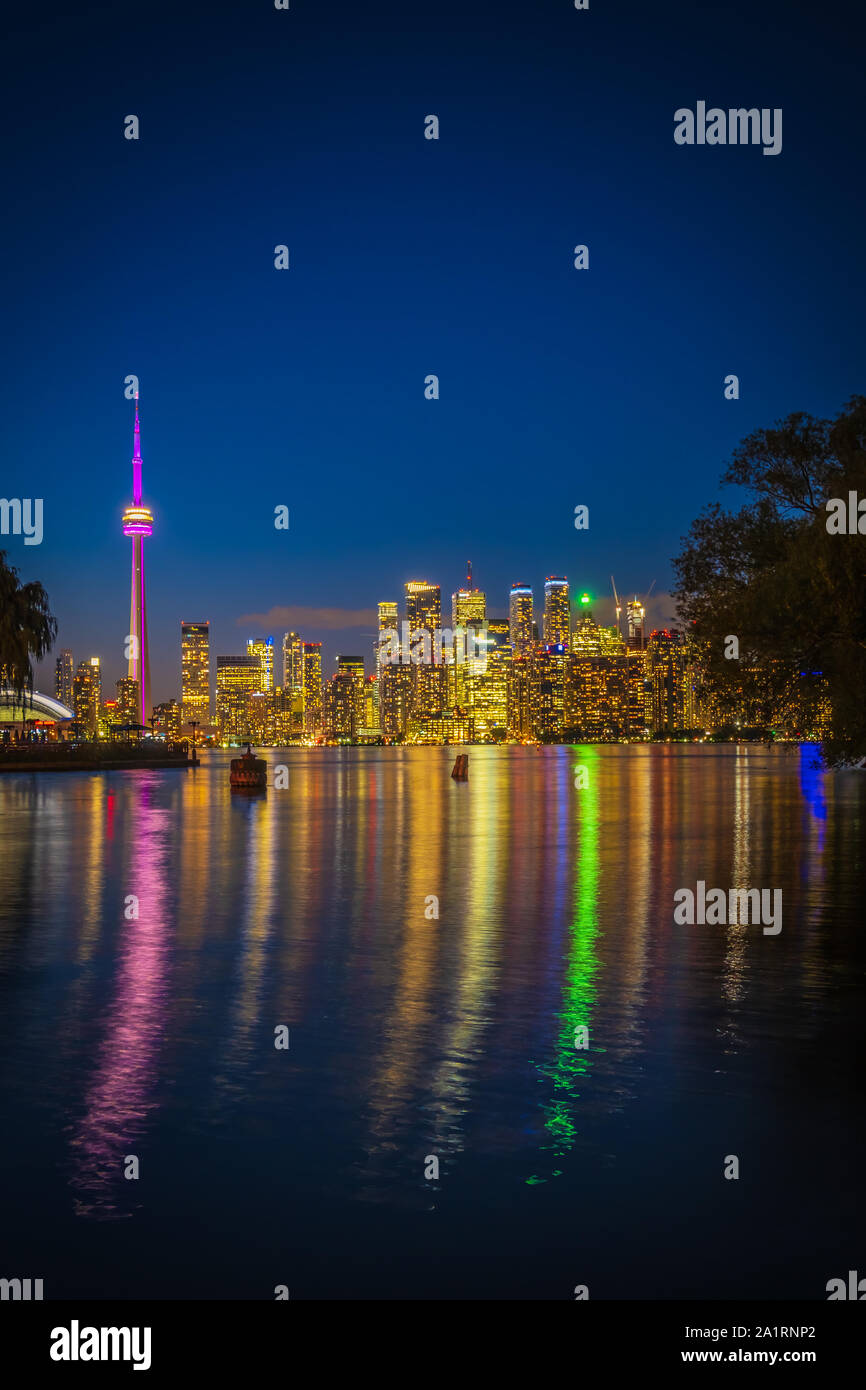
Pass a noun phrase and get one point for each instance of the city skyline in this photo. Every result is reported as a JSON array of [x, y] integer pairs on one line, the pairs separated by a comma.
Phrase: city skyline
[[365, 638], [324, 625], [305, 387], [553, 672]]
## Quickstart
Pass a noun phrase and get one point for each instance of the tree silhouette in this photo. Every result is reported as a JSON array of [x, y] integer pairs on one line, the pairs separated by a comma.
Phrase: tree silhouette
[[27, 629], [790, 590]]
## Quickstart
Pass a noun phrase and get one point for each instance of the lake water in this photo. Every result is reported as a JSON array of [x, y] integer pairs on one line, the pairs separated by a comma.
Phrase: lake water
[[414, 1037]]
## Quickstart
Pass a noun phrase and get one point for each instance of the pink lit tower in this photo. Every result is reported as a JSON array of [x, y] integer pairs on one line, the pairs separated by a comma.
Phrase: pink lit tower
[[138, 523]]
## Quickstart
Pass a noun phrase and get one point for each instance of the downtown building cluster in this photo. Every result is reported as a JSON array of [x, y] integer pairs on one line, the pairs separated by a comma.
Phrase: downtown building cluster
[[555, 676]]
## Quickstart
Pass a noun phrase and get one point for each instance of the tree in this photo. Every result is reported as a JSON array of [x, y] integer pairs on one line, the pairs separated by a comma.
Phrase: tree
[[792, 593], [27, 629]]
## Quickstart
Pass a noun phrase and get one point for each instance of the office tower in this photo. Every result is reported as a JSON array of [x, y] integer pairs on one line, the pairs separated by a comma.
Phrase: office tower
[[87, 695], [391, 717], [597, 690], [64, 675], [665, 672], [557, 612], [263, 649], [292, 697], [110, 717], [639, 694], [353, 668], [138, 523], [263, 715], [520, 698], [195, 672], [166, 721], [423, 605], [468, 605], [499, 632], [520, 623], [547, 695], [340, 707], [311, 689], [237, 678], [692, 684], [372, 720], [388, 624], [424, 615], [395, 700], [283, 717], [586, 637], [469, 655], [489, 694], [636, 614], [293, 652], [128, 701]]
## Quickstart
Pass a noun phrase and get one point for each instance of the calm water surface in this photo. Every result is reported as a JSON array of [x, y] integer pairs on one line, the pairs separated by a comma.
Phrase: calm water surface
[[412, 1036]]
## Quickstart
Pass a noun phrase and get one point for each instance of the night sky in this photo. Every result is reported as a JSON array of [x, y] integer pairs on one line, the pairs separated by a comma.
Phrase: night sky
[[408, 257]]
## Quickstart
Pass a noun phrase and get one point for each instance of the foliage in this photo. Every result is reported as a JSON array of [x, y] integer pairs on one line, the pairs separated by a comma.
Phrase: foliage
[[791, 592], [27, 629]]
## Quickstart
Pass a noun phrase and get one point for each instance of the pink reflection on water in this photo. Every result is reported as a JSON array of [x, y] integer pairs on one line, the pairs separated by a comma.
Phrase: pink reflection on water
[[118, 1099]]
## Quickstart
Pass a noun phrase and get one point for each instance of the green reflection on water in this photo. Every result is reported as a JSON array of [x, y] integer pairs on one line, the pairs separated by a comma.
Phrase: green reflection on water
[[569, 1063]]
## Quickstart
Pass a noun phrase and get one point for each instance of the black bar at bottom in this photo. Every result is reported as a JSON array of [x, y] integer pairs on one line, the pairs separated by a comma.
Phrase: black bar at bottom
[[171, 1339]]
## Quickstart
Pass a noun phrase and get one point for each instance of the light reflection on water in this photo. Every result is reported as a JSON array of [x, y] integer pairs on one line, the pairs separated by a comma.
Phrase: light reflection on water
[[414, 1035]]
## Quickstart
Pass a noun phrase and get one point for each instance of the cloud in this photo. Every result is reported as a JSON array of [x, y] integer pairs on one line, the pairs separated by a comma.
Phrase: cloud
[[297, 618], [661, 611]]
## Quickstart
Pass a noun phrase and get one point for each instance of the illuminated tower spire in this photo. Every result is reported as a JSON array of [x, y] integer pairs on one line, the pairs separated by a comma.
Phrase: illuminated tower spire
[[138, 523], [136, 459]]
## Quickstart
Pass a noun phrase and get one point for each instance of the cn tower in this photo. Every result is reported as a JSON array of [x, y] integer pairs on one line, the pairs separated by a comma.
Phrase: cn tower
[[138, 523]]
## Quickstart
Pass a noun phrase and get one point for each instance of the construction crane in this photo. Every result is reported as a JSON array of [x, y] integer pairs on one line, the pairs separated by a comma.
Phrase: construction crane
[[618, 604]]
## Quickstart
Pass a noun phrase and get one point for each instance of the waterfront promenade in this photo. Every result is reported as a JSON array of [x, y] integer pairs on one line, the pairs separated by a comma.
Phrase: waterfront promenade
[[92, 757]]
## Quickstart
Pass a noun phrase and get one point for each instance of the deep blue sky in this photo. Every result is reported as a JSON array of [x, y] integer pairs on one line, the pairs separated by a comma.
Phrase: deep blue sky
[[408, 257]]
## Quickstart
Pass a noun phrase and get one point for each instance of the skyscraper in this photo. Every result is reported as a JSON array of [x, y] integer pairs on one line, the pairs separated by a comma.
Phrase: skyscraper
[[195, 672], [469, 623], [468, 605], [636, 624], [138, 523], [388, 623], [237, 678], [64, 674], [293, 652], [372, 716], [664, 669], [424, 614], [557, 613], [343, 701], [547, 695], [352, 669], [127, 700], [263, 649], [311, 686], [423, 606], [87, 695], [520, 618], [395, 700]]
